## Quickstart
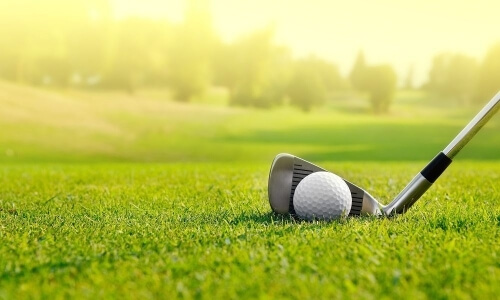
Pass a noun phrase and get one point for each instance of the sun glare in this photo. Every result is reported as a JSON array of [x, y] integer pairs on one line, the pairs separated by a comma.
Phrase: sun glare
[[406, 34]]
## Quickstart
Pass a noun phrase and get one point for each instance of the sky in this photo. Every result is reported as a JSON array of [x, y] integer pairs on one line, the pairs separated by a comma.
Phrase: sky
[[406, 34]]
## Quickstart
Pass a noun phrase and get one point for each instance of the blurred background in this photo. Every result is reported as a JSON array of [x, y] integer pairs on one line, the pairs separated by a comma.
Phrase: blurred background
[[221, 80]]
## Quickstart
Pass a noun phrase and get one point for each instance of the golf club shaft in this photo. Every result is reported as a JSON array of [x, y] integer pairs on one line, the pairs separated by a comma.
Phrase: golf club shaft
[[424, 180], [473, 127]]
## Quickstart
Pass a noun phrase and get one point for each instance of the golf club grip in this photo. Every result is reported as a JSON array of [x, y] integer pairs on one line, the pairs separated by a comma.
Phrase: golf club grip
[[473, 127], [436, 167]]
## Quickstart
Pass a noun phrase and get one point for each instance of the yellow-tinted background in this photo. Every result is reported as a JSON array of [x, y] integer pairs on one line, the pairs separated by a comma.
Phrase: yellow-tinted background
[[404, 33], [224, 80]]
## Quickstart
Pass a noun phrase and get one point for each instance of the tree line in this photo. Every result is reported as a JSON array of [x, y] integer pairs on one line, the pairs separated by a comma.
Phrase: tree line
[[464, 79], [79, 44]]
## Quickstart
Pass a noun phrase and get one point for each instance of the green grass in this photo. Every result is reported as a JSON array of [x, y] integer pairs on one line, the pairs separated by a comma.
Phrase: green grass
[[105, 195], [205, 230], [73, 126]]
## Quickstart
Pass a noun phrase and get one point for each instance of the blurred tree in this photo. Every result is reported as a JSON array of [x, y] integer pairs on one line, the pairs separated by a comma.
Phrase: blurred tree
[[329, 74], [89, 40], [190, 54], [453, 76], [47, 41], [227, 61], [409, 79], [254, 69], [309, 84], [489, 75], [13, 35], [137, 54], [358, 72], [378, 81]]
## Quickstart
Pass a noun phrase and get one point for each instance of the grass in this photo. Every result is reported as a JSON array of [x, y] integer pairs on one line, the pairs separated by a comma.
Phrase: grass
[[113, 196], [205, 230], [101, 127]]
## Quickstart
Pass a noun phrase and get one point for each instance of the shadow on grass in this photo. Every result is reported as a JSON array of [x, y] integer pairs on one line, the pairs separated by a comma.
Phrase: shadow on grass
[[261, 218], [272, 218]]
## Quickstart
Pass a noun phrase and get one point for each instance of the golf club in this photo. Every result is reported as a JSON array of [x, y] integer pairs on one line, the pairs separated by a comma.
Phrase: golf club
[[288, 170]]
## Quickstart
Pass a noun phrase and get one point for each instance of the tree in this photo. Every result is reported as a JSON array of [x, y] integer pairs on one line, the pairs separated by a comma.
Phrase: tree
[[453, 76], [328, 73], [137, 54], [409, 79], [380, 82], [307, 87], [255, 71], [489, 75], [50, 40], [190, 55], [358, 72]]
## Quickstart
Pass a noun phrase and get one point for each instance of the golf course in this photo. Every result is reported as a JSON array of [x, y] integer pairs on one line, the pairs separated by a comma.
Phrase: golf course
[[114, 195]]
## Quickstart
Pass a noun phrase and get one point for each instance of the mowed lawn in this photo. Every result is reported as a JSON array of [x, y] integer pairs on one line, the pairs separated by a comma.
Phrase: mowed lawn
[[71, 126], [113, 196], [205, 230]]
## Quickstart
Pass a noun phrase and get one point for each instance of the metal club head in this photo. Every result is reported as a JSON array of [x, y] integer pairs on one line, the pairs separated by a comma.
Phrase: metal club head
[[288, 170]]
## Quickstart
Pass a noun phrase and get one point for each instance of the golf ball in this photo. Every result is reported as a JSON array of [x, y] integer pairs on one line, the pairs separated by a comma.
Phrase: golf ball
[[322, 196]]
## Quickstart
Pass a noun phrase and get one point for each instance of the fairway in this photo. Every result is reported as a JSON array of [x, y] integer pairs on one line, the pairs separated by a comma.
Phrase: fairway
[[107, 195], [175, 231], [75, 126]]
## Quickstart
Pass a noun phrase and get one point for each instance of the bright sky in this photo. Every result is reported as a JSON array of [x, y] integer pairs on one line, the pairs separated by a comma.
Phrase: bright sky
[[400, 32]]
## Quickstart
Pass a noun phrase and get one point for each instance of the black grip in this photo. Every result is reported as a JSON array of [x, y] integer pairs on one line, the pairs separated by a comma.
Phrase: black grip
[[436, 167]]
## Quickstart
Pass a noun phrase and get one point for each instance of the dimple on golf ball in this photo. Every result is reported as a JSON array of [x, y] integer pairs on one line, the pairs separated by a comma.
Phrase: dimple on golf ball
[[322, 196]]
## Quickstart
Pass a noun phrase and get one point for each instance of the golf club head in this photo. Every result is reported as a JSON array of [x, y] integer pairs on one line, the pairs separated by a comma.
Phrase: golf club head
[[288, 170]]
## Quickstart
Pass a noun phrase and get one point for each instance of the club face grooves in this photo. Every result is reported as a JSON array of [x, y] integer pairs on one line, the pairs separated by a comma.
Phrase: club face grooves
[[357, 201], [300, 171]]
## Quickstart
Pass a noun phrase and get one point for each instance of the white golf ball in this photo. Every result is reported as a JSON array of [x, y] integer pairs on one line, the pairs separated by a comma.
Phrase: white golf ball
[[322, 196]]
